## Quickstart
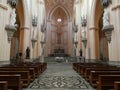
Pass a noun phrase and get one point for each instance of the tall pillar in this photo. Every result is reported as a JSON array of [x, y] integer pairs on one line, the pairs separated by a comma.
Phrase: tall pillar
[[94, 43], [24, 40], [48, 39]]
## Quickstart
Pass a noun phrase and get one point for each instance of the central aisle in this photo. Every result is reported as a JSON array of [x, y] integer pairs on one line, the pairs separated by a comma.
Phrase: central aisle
[[59, 76]]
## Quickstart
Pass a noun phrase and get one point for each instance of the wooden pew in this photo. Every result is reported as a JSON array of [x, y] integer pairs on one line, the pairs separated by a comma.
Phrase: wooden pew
[[106, 82], [31, 70], [103, 68], [83, 67], [3, 85], [14, 81], [117, 85], [75, 65], [43, 66], [25, 76], [36, 68], [93, 78]]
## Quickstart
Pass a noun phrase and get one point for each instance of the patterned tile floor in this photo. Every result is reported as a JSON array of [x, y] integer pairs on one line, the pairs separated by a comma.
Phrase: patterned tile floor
[[59, 76]]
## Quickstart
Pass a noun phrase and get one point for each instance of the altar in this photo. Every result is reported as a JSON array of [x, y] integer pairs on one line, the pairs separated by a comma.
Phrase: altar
[[58, 53], [59, 59]]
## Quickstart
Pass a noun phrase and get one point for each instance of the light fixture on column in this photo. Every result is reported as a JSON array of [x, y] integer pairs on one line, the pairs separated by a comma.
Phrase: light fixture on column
[[34, 24], [43, 29], [75, 40], [34, 21], [83, 21], [84, 24]]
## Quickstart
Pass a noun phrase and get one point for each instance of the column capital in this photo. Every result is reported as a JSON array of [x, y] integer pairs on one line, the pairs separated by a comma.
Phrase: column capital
[[116, 7], [3, 7]]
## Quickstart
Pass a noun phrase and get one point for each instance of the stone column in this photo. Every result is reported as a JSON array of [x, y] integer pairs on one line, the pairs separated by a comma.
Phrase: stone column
[[94, 43], [24, 40]]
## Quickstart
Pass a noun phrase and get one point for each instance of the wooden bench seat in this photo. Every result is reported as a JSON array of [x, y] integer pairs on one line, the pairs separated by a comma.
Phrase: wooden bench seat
[[43, 66], [82, 68], [93, 78], [106, 82], [31, 70], [36, 68], [77, 66], [117, 85], [3, 85], [87, 71], [25, 76], [14, 81]]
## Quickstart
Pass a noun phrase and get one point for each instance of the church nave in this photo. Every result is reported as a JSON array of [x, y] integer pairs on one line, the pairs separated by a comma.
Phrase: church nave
[[59, 76]]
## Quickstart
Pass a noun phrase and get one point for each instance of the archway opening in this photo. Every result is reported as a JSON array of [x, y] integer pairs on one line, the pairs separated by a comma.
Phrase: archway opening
[[103, 44], [18, 36], [59, 32], [14, 50], [101, 41]]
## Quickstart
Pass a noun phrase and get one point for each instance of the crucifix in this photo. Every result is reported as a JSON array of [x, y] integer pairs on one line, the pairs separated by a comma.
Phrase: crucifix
[[59, 38], [59, 35]]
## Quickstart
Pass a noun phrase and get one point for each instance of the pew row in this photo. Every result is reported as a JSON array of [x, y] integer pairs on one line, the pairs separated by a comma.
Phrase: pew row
[[93, 78], [31, 70], [25, 76], [14, 81], [117, 85], [106, 82], [3, 85]]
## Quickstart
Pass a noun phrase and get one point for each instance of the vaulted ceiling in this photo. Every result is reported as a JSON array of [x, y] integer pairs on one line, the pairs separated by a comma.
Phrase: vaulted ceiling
[[67, 5]]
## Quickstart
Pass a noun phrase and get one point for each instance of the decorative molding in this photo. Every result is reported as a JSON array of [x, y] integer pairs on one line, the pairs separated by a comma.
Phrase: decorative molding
[[24, 28], [3, 6], [93, 28], [33, 42], [108, 32], [4, 62], [116, 7], [10, 31]]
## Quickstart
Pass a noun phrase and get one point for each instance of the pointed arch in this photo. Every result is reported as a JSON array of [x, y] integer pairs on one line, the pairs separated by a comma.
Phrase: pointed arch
[[20, 11], [55, 8]]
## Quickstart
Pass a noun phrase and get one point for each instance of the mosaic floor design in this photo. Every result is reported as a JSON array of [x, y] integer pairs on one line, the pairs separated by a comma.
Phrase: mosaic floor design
[[49, 82]]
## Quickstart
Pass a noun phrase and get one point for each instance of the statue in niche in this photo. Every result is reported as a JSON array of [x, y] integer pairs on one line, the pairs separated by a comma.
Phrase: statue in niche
[[80, 52], [105, 3], [13, 3], [28, 53], [106, 18], [13, 17]]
